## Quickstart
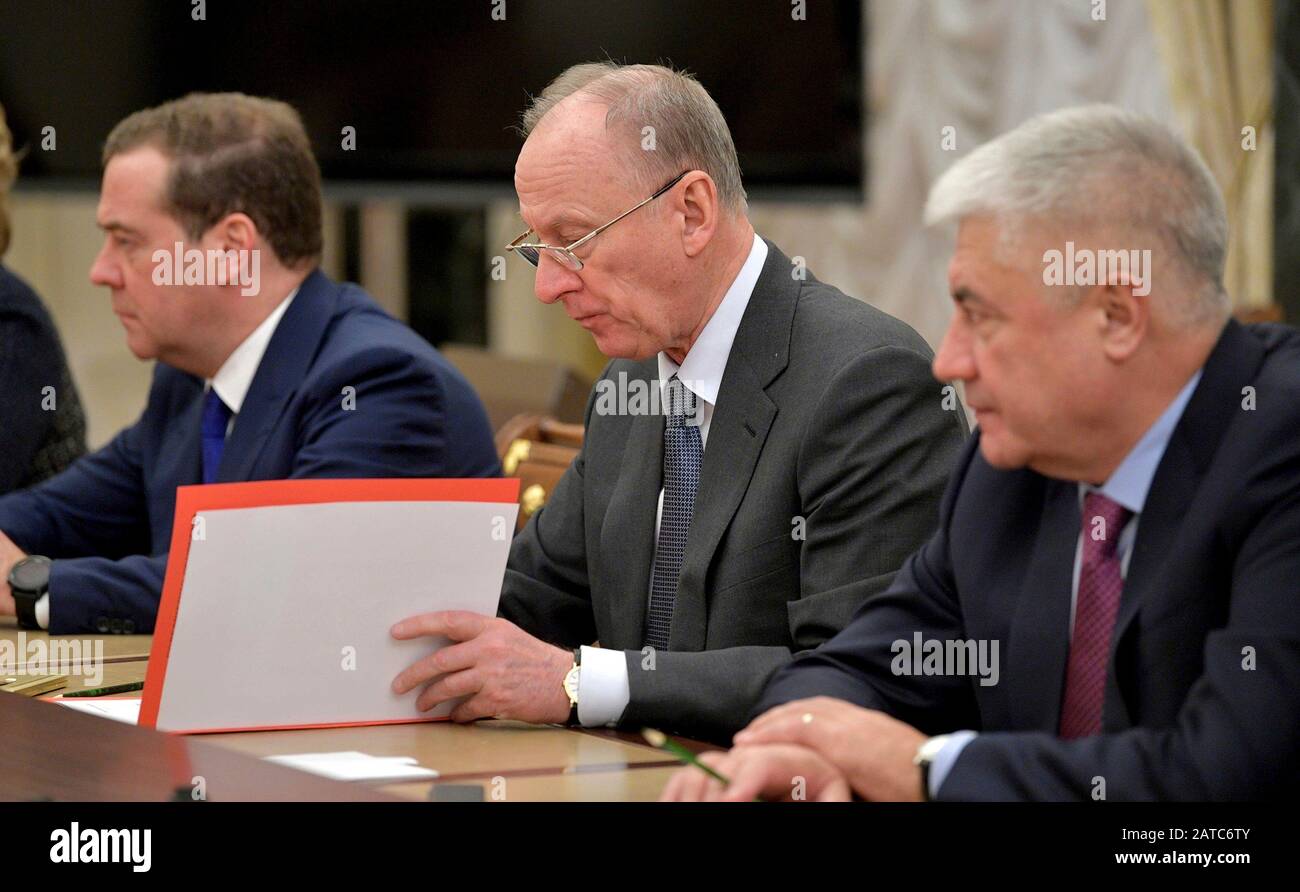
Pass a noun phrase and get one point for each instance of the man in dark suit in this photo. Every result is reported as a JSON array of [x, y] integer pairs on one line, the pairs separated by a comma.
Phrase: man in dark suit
[[266, 368], [759, 458], [1108, 608]]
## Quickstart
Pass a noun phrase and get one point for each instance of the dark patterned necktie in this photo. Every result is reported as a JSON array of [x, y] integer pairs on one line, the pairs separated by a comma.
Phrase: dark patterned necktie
[[1100, 587], [216, 418], [683, 454]]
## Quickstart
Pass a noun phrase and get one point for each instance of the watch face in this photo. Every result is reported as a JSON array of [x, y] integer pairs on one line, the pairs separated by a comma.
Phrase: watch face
[[31, 574]]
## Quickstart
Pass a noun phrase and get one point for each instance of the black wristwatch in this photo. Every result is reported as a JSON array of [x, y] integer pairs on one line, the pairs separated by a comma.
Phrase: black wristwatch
[[29, 579]]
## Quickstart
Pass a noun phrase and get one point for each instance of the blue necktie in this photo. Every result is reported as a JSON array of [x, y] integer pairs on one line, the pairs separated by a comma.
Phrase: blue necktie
[[216, 418], [683, 454]]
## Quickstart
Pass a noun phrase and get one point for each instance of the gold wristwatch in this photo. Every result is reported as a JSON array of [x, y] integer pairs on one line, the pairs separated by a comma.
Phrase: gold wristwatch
[[925, 755], [571, 685]]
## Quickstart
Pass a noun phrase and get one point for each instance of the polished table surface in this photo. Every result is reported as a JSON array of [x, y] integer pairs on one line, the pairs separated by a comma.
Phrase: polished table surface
[[54, 753], [641, 785], [508, 761], [115, 648]]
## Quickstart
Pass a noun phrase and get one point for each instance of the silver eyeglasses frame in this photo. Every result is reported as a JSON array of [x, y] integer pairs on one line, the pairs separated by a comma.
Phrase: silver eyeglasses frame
[[531, 251]]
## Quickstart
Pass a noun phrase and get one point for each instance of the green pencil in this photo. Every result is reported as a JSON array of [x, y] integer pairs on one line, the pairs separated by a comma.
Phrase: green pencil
[[659, 740], [111, 689]]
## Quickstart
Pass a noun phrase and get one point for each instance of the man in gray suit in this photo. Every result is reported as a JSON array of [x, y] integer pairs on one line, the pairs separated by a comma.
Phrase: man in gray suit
[[700, 572]]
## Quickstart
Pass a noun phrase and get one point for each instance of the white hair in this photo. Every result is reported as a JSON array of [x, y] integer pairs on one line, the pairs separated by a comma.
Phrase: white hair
[[690, 132], [1100, 166]]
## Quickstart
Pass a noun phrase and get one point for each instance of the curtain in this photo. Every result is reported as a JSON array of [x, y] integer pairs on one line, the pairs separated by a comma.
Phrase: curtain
[[1217, 55], [981, 67]]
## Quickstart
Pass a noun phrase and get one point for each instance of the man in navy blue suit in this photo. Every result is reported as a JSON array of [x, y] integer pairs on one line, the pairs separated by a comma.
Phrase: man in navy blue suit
[[211, 208], [1108, 608]]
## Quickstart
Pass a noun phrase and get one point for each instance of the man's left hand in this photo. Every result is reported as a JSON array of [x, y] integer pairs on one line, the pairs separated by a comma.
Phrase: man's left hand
[[873, 750], [502, 670], [775, 771]]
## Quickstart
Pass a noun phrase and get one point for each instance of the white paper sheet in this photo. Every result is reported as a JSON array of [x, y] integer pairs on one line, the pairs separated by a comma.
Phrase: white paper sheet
[[124, 710], [355, 766], [285, 610]]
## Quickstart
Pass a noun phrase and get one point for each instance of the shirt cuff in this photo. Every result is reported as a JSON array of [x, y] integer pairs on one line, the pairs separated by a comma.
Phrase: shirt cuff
[[944, 759], [43, 611], [603, 690]]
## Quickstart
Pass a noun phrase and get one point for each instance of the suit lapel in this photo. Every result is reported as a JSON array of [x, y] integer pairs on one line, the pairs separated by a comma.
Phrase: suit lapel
[[1040, 632], [741, 420], [739, 427], [188, 469], [627, 534], [1166, 505], [283, 367], [1232, 365]]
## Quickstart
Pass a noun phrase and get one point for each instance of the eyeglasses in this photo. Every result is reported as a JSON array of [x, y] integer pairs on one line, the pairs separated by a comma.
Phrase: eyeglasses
[[532, 251]]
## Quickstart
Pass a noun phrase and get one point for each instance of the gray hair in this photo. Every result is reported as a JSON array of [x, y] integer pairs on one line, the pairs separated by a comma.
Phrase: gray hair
[[690, 132], [1099, 165]]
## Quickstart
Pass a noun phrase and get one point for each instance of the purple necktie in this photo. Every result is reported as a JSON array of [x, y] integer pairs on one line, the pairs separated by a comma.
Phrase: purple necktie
[[1100, 586]]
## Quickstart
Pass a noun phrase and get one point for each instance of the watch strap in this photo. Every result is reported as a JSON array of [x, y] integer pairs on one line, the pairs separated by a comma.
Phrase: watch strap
[[25, 609], [25, 598]]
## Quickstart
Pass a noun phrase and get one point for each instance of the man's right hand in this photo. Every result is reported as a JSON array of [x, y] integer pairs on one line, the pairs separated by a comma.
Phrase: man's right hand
[[10, 554], [771, 771]]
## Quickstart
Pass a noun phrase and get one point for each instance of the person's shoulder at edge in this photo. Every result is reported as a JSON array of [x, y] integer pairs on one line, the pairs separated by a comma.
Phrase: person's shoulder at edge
[[1281, 345], [18, 297], [1274, 397]]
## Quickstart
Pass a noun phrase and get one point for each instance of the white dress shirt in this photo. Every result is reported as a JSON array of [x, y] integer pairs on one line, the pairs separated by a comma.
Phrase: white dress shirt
[[231, 384], [232, 380], [603, 689]]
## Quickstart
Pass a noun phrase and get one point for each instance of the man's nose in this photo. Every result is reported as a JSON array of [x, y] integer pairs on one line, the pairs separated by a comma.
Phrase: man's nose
[[105, 272], [554, 279], [953, 361]]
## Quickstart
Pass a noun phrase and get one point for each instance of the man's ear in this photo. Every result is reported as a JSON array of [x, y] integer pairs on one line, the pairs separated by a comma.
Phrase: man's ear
[[699, 206], [236, 235], [1124, 317], [235, 232]]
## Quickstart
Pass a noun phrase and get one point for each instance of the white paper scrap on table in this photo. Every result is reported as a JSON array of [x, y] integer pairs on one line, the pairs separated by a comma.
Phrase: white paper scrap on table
[[285, 610], [124, 710], [354, 766]]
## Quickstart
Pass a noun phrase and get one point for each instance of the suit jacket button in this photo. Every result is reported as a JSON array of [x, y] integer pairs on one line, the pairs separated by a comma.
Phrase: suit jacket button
[[128, 626], [101, 624], [115, 626]]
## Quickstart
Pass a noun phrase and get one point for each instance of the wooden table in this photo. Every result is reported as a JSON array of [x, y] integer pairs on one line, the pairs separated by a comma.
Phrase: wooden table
[[115, 648], [508, 761], [88, 660], [56, 753], [643, 784]]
